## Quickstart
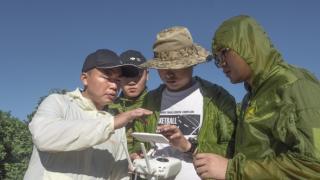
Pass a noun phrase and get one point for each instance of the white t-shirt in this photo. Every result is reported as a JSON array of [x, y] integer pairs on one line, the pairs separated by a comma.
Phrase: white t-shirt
[[185, 110]]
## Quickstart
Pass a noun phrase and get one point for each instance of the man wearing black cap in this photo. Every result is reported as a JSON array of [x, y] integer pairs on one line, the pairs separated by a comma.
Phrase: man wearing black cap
[[133, 86], [73, 134]]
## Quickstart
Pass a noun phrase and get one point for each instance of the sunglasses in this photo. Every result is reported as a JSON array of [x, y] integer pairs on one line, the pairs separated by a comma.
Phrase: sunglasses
[[220, 57]]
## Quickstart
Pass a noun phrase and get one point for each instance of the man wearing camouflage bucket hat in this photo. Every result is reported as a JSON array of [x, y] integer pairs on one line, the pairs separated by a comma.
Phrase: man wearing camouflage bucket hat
[[174, 49], [194, 114]]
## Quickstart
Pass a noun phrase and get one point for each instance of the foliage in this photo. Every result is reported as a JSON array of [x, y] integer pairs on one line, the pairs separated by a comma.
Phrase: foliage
[[15, 147], [16, 143]]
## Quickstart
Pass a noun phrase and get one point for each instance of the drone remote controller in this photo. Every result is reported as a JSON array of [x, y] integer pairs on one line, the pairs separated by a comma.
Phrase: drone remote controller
[[153, 167], [159, 167]]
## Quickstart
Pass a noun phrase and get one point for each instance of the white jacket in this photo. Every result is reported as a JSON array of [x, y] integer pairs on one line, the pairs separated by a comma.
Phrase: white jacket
[[73, 140]]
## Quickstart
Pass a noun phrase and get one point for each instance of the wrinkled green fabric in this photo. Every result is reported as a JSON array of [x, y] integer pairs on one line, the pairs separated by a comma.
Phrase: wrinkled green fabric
[[219, 116], [122, 104], [277, 135]]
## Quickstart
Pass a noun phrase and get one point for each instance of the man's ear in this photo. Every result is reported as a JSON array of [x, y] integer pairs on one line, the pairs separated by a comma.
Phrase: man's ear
[[84, 78]]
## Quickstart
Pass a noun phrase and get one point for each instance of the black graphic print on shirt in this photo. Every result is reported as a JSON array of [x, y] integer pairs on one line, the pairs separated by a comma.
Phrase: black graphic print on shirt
[[187, 123]]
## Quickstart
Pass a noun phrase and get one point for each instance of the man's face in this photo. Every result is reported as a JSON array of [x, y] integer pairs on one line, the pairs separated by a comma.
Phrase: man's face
[[101, 85], [235, 68], [132, 87], [176, 79]]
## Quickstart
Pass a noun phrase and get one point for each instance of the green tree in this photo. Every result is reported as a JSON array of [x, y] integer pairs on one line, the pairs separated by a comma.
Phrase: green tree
[[15, 147], [16, 142]]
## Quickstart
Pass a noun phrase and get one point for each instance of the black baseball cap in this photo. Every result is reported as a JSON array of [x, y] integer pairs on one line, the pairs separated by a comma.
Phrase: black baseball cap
[[131, 61], [102, 59], [133, 58]]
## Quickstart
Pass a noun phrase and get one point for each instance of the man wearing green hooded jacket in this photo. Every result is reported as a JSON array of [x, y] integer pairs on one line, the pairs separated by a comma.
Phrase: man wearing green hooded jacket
[[133, 86], [278, 130]]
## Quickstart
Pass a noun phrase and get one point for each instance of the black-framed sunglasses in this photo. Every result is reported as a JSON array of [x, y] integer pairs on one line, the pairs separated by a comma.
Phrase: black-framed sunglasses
[[220, 57]]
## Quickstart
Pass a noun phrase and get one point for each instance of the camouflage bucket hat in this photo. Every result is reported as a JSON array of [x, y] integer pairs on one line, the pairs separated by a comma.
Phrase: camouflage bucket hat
[[174, 49]]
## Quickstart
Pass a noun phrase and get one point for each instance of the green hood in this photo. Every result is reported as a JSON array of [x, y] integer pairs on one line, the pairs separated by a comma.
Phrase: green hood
[[248, 39], [278, 127]]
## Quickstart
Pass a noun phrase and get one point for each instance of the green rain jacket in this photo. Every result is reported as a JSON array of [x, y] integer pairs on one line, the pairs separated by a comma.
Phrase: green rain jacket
[[216, 133], [278, 131], [122, 104]]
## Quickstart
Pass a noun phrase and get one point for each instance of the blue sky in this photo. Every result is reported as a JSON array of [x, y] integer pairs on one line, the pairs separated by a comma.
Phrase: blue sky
[[44, 43]]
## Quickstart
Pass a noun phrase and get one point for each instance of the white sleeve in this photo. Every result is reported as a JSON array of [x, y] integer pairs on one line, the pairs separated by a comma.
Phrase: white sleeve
[[51, 131]]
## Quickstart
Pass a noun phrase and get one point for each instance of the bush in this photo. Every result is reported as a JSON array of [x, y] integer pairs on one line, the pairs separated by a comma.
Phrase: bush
[[15, 147]]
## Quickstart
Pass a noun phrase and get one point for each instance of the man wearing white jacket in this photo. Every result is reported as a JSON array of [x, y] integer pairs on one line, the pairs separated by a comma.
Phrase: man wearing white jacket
[[73, 135]]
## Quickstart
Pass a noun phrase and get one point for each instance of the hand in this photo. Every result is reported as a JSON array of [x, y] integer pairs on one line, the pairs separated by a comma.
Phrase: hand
[[122, 119], [134, 156], [175, 137], [209, 165]]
